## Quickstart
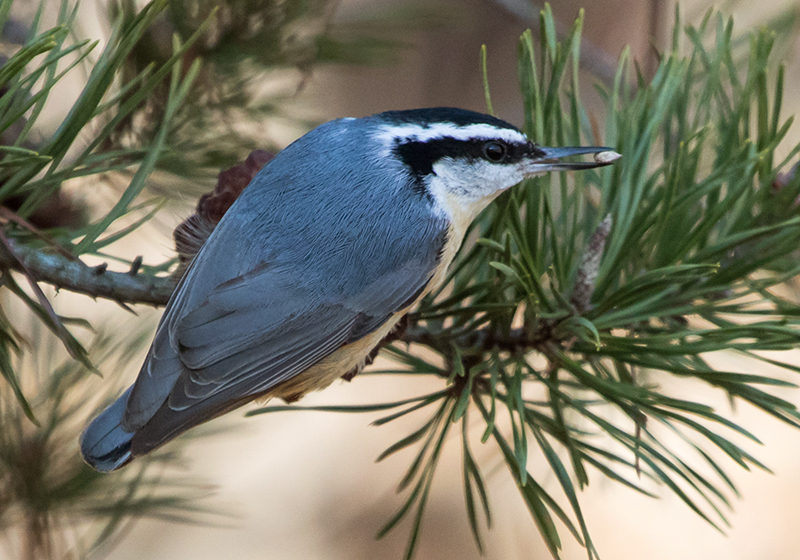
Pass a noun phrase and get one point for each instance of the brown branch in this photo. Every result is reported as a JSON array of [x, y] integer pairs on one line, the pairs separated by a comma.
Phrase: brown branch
[[74, 275], [516, 339]]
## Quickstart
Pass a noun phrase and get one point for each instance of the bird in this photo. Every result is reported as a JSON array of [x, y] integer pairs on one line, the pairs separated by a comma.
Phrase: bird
[[335, 240]]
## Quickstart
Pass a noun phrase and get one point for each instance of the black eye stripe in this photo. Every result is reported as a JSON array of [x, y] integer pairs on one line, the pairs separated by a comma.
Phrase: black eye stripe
[[420, 157]]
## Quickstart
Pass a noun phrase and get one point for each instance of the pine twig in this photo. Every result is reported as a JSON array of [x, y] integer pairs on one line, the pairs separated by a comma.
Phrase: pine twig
[[76, 276]]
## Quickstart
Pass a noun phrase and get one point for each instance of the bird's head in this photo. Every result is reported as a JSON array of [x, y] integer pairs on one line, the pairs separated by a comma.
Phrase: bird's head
[[463, 159]]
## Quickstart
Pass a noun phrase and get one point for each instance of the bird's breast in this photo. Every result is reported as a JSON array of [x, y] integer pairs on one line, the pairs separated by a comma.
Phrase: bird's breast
[[344, 360], [452, 243]]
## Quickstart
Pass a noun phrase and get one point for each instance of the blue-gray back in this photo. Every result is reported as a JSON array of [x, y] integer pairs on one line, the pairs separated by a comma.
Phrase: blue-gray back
[[320, 249]]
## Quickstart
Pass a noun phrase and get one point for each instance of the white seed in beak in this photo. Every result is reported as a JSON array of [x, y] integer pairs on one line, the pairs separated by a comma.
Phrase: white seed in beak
[[606, 157]]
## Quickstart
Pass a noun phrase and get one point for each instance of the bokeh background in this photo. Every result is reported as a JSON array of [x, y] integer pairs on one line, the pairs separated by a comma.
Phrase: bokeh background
[[301, 485]]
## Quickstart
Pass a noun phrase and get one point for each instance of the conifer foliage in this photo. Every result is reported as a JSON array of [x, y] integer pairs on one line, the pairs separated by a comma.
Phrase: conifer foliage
[[575, 299]]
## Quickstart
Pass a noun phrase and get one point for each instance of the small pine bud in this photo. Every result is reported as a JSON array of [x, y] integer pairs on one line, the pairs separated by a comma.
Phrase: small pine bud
[[590, 265]]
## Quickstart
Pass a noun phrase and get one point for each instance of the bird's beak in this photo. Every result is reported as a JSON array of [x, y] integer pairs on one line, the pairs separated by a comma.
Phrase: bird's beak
[[549, 161]]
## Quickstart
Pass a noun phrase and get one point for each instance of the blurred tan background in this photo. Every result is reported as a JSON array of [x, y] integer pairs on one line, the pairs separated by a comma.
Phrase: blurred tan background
[[303, 485]]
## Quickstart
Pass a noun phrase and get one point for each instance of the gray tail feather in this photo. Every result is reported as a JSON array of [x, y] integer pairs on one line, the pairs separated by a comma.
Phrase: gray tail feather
[[105, 445]]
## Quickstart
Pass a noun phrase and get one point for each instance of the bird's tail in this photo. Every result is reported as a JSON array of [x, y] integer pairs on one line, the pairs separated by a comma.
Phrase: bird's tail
[[105, 445]]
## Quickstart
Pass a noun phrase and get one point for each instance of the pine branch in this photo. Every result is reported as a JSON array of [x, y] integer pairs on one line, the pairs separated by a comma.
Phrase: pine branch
[[704, 226], [483, 340], [74, 275]]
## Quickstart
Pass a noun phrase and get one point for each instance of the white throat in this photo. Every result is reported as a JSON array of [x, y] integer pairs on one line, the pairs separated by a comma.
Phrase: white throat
[[462, 189], [460, 211]]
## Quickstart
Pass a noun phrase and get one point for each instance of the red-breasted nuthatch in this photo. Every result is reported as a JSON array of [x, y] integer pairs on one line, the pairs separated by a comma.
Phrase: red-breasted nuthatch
[[335, 240]]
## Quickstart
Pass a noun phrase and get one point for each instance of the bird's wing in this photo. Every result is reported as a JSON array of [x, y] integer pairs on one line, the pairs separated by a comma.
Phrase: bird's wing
[[251, 333]]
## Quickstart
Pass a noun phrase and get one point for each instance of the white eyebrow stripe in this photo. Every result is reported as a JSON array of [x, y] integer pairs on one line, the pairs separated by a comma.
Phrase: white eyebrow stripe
[[418, 133]]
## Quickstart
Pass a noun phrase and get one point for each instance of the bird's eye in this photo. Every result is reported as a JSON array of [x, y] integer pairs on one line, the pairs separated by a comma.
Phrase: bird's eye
[[494, 151]]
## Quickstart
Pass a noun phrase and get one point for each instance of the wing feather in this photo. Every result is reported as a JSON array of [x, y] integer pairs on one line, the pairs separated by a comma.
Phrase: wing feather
[[228, 350], [302, 264]]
